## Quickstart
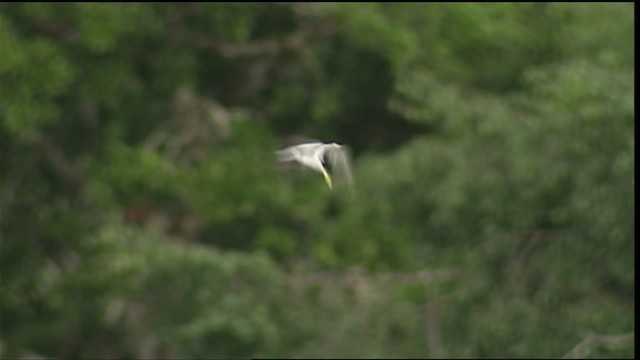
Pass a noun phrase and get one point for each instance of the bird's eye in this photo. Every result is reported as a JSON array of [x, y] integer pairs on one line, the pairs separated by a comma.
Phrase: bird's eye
[[326, 166]]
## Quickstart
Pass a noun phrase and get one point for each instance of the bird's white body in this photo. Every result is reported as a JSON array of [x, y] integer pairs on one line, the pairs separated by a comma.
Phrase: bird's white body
[[312, 156]]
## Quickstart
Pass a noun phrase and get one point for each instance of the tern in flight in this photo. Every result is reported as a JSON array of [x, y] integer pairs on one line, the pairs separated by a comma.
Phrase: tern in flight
[[313, 155]]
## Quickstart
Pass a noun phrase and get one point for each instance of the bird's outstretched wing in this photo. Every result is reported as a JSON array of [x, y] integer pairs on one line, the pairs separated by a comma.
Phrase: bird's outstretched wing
[[339, 159], [287, 154], [298, 152]]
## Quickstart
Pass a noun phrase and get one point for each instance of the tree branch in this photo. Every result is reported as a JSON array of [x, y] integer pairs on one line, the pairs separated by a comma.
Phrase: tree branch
[[62, 166], [592, 341], [263, 47], [434, 340], [384, 278], [72, 177]]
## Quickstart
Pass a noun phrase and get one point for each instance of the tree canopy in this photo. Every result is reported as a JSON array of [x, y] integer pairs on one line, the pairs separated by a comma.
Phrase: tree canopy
[[143, 213]]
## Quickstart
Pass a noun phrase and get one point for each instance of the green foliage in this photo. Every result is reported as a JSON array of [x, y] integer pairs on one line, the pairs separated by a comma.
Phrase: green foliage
[[143, 213], [39, 73]]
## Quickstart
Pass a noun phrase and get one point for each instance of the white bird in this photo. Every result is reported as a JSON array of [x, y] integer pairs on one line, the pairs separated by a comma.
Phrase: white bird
[[312, 155]]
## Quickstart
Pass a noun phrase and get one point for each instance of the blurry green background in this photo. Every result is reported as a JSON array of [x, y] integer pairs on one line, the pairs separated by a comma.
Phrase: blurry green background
[[143, 214]]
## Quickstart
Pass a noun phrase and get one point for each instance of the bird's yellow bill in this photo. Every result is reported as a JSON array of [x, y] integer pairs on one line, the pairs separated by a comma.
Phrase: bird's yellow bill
[[327, 178]]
